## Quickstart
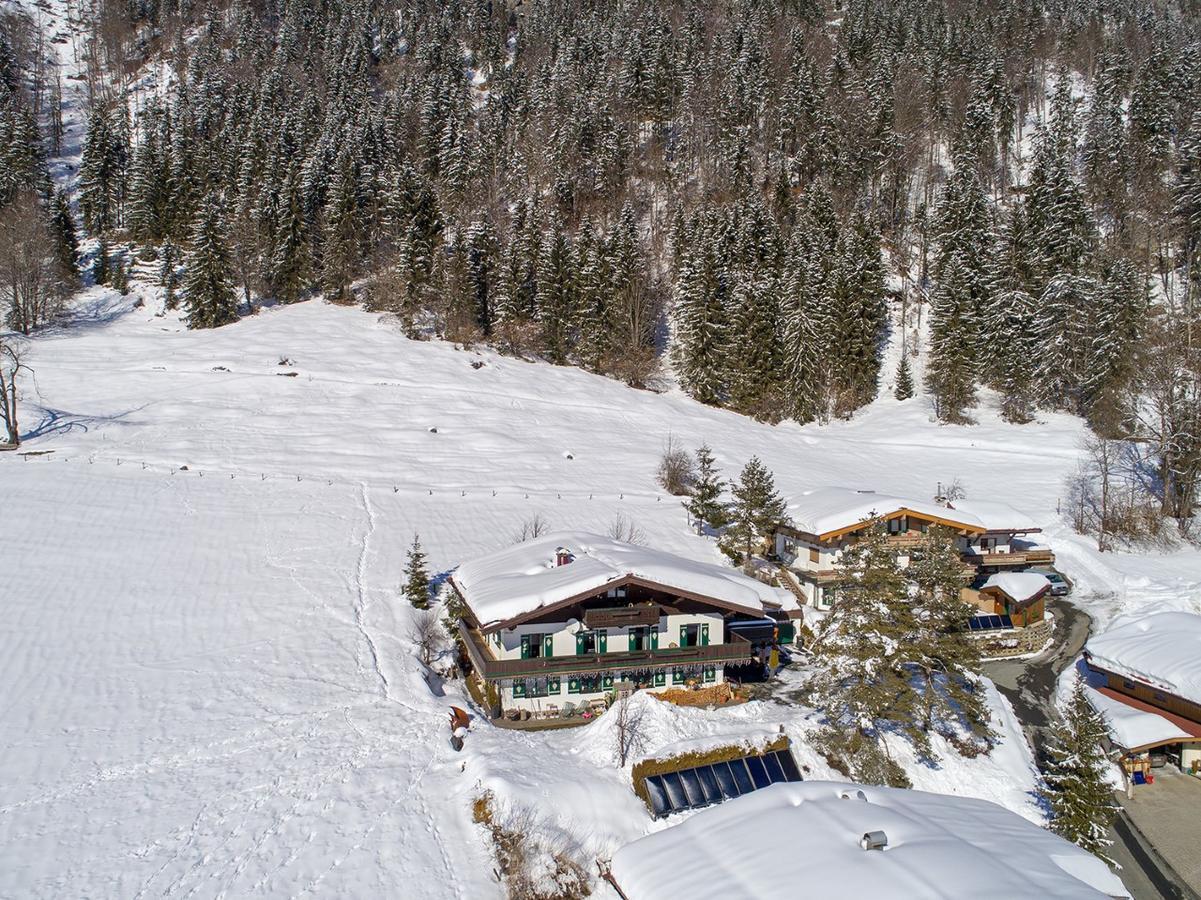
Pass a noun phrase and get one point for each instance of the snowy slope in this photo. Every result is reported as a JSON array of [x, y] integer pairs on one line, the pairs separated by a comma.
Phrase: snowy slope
[[211, 684]]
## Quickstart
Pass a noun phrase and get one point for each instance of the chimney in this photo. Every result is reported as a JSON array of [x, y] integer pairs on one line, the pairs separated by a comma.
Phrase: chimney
[[874, 840], [563, 556]]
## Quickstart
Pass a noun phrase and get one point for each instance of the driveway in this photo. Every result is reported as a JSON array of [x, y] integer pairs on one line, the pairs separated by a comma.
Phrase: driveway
[[1029, 685], [1167, 814]]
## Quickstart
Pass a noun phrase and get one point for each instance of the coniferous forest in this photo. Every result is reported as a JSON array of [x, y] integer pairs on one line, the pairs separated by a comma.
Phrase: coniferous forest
[[756, 194]]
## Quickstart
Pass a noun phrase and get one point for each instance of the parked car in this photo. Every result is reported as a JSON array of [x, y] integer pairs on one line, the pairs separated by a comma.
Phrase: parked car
[[1059, 584]]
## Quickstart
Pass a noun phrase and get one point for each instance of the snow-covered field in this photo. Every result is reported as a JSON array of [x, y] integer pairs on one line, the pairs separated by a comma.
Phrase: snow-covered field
[[210, 687]]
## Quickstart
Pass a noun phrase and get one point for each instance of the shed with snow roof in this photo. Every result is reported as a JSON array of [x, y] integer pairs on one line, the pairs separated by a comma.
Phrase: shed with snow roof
[[1019, 595]]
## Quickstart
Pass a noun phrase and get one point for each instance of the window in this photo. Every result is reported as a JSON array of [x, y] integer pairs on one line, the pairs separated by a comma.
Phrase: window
[[639, 638], [534, 646], [694, 635], [815, 555], [589, 684], [592, 642], [896, 526], [826, 599]]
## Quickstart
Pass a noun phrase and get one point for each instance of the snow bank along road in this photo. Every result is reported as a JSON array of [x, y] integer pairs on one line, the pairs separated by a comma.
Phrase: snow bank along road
[[209, 685]]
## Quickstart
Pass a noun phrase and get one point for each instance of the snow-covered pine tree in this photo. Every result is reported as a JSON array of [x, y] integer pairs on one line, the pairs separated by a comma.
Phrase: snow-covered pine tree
[[102, 172], [704, 504], [208, 289], [864, 681], [290, 258], [944, 655], [556, 297], [754, 372], [417, 580], [62, 226], [342, 233], [699, 326], [1077, 789], [904, 386], [756, 509], [951, 362]]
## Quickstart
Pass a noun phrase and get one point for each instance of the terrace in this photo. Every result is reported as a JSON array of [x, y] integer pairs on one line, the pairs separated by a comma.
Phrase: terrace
[[488, 666]]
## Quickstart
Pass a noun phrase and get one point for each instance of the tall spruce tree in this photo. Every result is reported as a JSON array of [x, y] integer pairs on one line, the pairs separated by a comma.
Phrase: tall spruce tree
[[208, 287], [1077, 789]]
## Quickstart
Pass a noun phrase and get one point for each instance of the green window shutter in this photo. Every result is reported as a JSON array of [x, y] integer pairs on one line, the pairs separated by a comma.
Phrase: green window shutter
[[525, 646], [710, 673], [655, 639], [607, 681], [579, 644], [631, 646], [787, 633], [660, 678], [677, 676], [518, 687], [548, 645], [552, 685], [683, 635], [704, 635], [602, 641], [573, 684]]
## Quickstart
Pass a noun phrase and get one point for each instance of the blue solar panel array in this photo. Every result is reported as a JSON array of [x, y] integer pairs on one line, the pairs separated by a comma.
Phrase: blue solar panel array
[[701, 786], [989, 623]]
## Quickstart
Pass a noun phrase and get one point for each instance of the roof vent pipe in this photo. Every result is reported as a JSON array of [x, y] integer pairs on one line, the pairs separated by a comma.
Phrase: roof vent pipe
[[874, 840]]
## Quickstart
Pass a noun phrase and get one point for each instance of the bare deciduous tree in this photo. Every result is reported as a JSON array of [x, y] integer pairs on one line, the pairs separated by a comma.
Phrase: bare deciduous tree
[[12, 364], [676, 469], [626, 530], [33, 284], [535, 526], [628, 732], [427, 634]]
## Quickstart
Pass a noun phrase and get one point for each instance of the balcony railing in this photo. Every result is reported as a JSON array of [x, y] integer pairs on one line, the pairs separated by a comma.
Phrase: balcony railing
[[737, 650], [1017, 558]]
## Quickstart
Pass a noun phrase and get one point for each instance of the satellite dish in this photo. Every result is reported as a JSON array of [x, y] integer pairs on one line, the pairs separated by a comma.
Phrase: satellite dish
[[573, 625]]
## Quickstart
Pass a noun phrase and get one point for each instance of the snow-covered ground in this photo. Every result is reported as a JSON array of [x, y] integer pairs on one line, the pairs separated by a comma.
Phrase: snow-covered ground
[[210, 683]]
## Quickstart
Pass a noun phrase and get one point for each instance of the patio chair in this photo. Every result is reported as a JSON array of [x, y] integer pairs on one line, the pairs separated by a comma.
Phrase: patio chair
[[569, 709]]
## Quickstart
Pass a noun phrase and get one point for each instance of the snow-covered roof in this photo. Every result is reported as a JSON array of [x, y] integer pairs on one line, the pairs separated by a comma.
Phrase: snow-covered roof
[[994, 515], [525, 577], [831, 509], [1021, 586], [1134, 728], [938, 846], [1161, 649]]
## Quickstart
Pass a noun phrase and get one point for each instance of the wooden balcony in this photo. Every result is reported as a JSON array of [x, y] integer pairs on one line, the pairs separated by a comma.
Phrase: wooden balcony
[[738, 650], [1018, 558]]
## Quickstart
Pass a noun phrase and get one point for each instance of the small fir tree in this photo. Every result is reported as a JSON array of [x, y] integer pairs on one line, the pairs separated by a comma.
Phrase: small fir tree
[[704, 504], [417, 579], [904, 388], [1081, 800]]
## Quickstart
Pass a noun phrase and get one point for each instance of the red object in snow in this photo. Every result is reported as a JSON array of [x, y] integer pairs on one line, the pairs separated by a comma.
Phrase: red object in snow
[[1150, 778], [459, 719]]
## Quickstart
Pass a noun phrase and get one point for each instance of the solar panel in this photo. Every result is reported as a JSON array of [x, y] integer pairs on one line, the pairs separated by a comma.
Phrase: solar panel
[[725, 780], [1006, 621], [658, 796], [788, 764], [703, 785]]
